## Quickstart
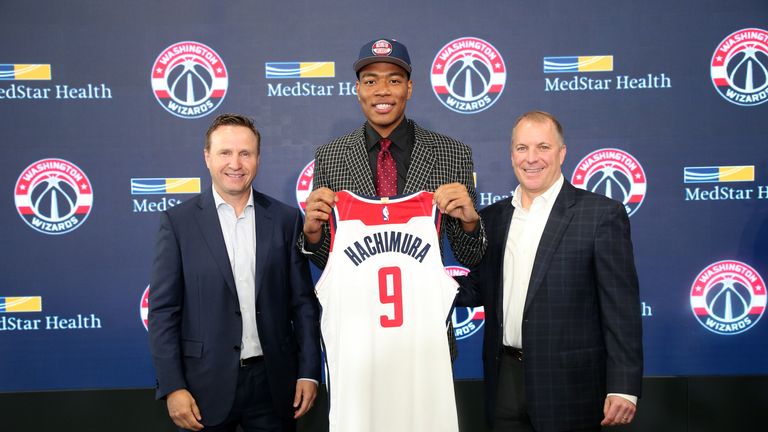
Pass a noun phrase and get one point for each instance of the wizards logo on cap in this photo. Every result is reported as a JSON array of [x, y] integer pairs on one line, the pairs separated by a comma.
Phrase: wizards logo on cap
[[381, 48]]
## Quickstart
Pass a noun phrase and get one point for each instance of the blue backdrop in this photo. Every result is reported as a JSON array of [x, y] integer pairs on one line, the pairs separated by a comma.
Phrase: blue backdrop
[[104, 106]]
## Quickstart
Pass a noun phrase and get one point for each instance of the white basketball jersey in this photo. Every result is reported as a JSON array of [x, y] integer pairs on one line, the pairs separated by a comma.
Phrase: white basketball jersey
[[386, 299]]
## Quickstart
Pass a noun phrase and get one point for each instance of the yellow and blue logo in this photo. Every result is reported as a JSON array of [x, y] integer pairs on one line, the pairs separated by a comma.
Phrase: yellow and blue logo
[[719, 174], [21, 304], [25, 72], [300, 69], [565, 64], [160, 186]]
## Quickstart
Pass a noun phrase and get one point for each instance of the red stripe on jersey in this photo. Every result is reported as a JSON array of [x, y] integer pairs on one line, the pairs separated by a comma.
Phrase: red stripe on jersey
[[372, 211]]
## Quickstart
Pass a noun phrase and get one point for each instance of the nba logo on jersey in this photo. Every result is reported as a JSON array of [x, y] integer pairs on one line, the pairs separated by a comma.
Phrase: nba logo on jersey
[[386, 300]]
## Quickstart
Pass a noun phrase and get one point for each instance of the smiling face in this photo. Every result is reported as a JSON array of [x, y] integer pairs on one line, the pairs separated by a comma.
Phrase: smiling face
[[233, 160], [383, 90], [538, 153]]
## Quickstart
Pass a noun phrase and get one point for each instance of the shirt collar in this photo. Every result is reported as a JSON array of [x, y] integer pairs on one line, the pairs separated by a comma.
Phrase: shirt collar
[[548, 197], [219, 201], [399, 136]]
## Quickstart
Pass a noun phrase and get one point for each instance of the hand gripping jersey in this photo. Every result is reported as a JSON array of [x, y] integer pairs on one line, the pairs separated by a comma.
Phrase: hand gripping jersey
[[385, 300]]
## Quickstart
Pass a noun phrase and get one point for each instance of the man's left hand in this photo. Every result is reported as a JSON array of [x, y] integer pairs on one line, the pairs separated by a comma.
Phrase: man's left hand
[[618, 411], [306, 392], [454, 200]]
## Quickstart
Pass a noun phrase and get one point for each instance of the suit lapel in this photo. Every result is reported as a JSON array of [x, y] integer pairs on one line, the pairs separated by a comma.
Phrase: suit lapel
[[357, 164], [208, 222], [499, 233], [264, 233], [422, 162], [559, 219]]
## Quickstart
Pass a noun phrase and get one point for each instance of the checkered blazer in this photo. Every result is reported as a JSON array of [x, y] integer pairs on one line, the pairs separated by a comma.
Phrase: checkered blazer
[[436, 160], [582, 333]]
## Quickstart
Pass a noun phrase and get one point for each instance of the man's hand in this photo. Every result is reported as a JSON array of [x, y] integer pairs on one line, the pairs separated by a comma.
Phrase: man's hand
[[454, 200], [319, 206], [306, 392], [183, 410], [618, 411]]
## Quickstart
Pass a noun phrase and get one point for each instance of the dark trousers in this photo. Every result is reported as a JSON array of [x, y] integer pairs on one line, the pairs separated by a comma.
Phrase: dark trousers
[[253, 409], [511, 413]]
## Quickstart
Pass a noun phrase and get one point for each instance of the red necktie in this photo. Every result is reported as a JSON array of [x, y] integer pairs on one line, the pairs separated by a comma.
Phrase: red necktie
[[386, 171]]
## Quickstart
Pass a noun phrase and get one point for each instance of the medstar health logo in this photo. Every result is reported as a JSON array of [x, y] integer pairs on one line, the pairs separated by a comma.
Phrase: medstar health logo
[[53, 196], [468, 75], [189, 80], [740, 67], [613, 173], [728, 297]]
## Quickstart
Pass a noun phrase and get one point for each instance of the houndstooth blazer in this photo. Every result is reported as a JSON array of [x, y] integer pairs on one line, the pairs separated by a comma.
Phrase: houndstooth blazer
[[436, 160]]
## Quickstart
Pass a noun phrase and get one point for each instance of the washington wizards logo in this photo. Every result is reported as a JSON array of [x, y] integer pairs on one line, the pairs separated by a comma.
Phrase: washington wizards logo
[[144, 308], [739, 67], [468, 75], [728, 297], [53, 196], [613, 173], [189, 80], [304, 185], [466, 320]]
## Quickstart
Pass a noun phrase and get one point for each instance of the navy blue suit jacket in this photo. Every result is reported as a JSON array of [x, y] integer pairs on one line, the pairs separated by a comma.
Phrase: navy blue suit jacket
[[582, 335], [195, 328]]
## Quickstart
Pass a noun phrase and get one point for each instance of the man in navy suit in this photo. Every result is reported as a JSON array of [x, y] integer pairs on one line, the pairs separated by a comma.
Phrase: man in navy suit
[[233, 320], [563, 338]]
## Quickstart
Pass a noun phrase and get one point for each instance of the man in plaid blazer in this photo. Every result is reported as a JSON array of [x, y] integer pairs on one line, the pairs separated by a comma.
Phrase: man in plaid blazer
[[425, 160], [563, 341], [437, 163]]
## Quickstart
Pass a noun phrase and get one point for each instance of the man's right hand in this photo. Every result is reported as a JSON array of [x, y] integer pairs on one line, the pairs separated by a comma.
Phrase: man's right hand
[[318, 211], [183, 410]]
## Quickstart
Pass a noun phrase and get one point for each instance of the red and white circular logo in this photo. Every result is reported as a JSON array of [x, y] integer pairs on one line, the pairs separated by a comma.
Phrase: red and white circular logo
[[613, 173], [381, 48], [466, 320], [304, 185], [468, 75], [728, 297], [739, 67], [144, 308], [189, 79], [53, 196]]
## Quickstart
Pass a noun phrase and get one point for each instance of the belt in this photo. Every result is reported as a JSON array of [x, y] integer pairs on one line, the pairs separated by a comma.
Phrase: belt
[[250, 360], [516, 353]]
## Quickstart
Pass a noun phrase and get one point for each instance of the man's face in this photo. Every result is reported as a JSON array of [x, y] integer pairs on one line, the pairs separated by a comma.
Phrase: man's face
[[383, 90], [538, 153], [233, 160]]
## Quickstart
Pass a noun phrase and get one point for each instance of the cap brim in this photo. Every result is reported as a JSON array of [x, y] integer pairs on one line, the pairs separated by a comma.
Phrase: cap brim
[[380, 59]]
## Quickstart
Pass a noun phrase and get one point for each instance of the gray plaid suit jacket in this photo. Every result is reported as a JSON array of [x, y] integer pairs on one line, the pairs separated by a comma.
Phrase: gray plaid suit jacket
[[436, 160], [582, 333]]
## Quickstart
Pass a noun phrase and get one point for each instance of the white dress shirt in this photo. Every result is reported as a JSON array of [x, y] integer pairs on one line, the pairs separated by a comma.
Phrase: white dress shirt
[[520, 252], [240, 238]]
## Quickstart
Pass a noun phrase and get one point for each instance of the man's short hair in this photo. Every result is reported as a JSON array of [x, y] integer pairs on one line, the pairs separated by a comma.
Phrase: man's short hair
[[541, 117], [229, 119]]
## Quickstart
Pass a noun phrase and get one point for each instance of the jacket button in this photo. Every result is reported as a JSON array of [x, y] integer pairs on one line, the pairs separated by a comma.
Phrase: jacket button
[[237, 348], [238, 313]]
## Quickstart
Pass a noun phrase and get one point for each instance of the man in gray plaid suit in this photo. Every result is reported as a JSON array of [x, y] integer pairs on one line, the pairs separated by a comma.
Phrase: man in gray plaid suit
[[424, 159], [562, 348]]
